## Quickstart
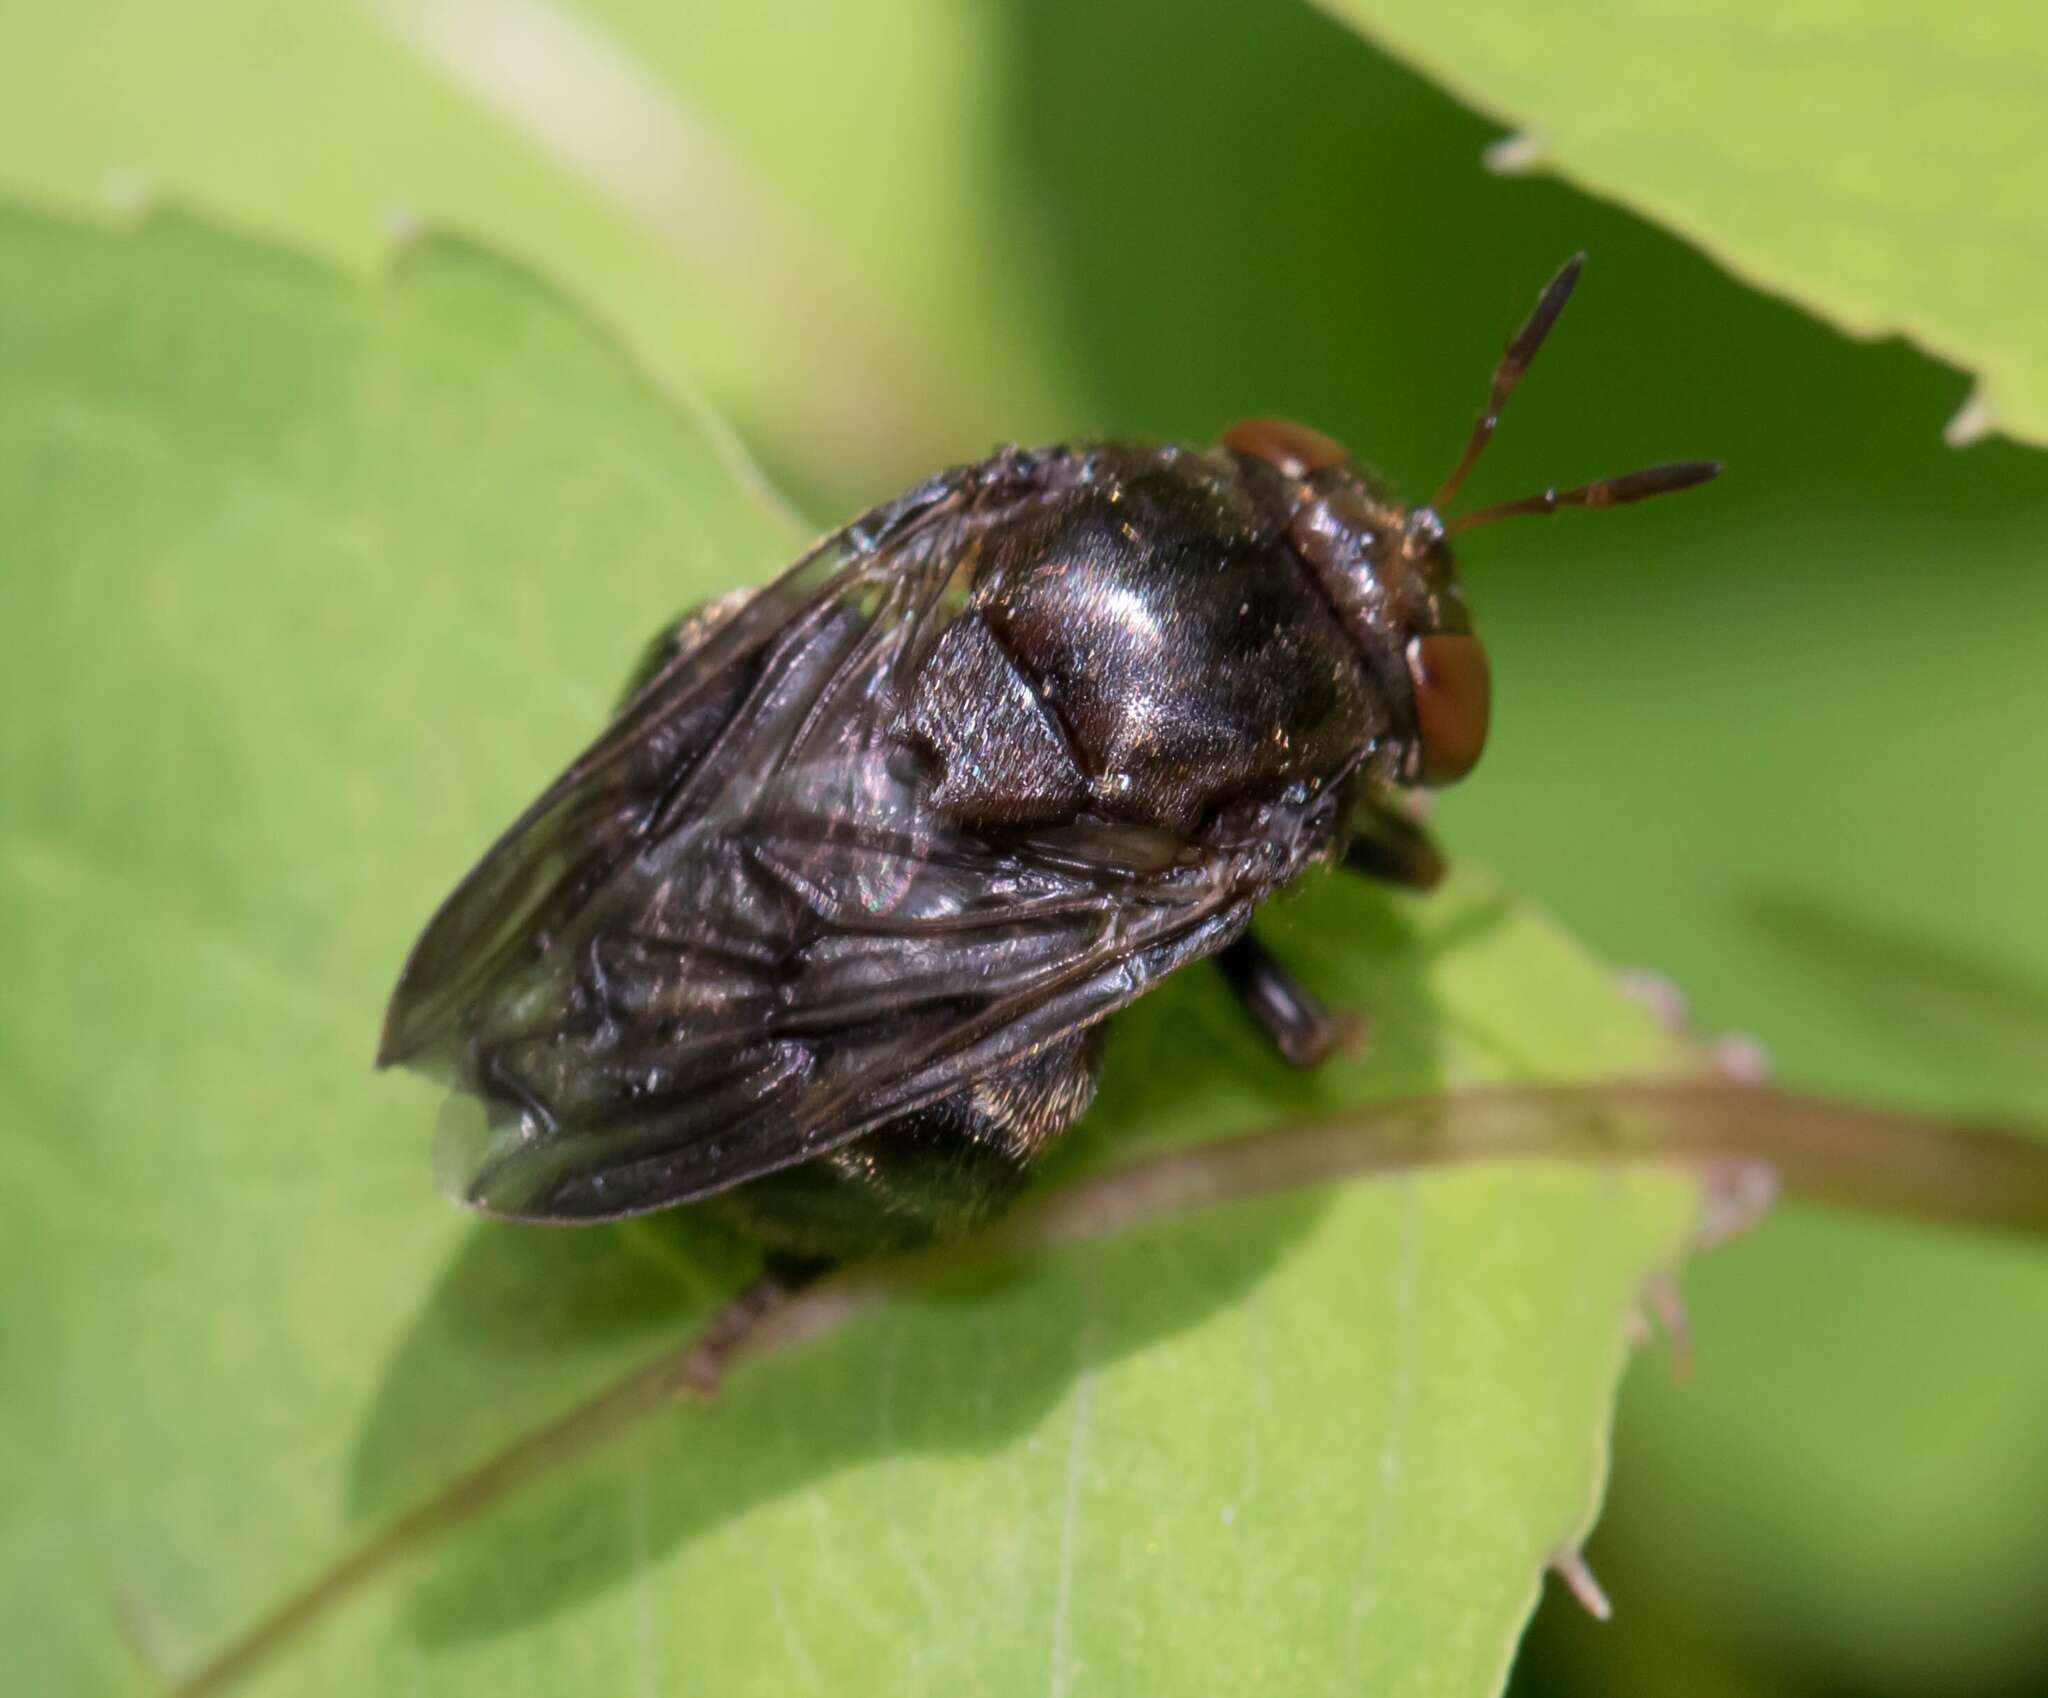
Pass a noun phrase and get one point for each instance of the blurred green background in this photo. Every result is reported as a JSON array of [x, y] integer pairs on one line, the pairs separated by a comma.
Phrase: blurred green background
[[1783, 741]]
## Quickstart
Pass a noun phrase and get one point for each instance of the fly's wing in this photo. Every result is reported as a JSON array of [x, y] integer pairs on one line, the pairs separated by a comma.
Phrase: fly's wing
[[734, 935], [789, 993], [657, 757]]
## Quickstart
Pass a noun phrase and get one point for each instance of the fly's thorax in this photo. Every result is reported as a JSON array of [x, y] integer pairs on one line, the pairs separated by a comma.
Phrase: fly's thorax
[[1188, 660]]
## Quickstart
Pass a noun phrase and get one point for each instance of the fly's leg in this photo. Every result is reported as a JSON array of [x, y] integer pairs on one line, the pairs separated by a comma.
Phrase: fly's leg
[[1387, 844], [727, 1335], [1293, 1016], [682, 639]]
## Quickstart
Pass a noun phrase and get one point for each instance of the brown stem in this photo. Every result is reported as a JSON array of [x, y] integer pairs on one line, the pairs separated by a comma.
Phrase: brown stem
[[1838, 1154]]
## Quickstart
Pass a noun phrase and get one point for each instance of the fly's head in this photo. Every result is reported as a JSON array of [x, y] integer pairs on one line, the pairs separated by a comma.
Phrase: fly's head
[[1387, 568]]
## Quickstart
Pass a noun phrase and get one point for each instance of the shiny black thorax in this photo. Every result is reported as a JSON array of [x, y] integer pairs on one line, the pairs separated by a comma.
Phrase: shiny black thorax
[[1142, 642]]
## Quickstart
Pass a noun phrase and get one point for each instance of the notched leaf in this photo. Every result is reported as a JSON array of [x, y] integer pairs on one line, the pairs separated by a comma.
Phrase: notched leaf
[[359, 565], [1759, 141]]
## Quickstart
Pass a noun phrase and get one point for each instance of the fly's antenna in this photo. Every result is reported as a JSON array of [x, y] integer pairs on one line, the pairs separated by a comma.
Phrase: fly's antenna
[[1606, 492], [1513, 363]]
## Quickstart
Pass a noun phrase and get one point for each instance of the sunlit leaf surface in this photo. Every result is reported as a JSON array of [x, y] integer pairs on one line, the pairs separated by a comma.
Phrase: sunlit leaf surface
[[309, 584], [1777, 739], [1879, 163]]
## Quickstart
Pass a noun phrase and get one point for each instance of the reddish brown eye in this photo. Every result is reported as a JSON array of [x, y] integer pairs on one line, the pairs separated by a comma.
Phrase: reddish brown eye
[[1293, 448], [1453, 697]]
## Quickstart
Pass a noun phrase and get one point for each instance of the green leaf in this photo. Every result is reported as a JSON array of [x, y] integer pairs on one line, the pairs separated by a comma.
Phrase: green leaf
[[309, 585], [1813, 687], [1809, 690], [1879, 163], [718, 180]]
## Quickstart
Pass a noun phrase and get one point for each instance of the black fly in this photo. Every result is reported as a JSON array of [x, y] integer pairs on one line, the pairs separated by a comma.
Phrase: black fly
[[825, 925]]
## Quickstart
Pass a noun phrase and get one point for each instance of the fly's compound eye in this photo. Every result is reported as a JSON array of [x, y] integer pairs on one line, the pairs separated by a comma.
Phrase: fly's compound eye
[[1453, 699], [1293, 449]]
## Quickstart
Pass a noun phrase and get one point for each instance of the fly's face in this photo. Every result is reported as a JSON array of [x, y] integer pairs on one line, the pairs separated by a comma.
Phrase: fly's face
[[1447, 670], [1387, 568], [1388, 571]]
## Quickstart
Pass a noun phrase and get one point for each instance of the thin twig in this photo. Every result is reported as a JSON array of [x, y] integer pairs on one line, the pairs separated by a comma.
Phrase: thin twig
[[1827, 1152]]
